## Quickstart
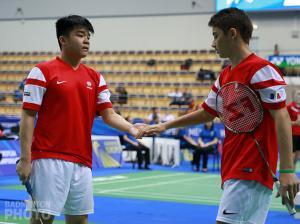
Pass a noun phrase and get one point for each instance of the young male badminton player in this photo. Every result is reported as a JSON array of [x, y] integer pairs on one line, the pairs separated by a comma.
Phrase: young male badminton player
[[56, 153], [246, 180]]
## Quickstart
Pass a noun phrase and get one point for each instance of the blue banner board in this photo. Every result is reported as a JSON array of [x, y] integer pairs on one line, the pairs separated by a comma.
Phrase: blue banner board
[[259, 5], [106, 153], [285, 61], [10, 150]]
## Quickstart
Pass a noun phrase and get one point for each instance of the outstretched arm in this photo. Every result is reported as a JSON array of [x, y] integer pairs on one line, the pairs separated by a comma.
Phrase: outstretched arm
[[113, 119], [196, 117]]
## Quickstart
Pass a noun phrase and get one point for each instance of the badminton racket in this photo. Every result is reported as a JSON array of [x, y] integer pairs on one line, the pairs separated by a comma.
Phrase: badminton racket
[[30, 192]]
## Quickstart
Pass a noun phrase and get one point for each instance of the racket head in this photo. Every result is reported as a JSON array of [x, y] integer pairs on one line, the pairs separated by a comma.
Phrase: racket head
[[238, 107]]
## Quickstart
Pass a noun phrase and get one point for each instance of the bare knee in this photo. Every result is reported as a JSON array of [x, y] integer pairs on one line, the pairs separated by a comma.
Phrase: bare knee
[[76, 219]]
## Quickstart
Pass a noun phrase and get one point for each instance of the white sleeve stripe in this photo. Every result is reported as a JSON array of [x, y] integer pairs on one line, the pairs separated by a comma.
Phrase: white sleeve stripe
[[103, 102], [274, 94], [266, 73], [211, 99], [217, 83], [36, 73], [104, 96], [102, 81], [33, 94]]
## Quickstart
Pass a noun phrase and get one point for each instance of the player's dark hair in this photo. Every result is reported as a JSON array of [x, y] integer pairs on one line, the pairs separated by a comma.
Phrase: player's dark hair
[[233, 18], [66, 24]]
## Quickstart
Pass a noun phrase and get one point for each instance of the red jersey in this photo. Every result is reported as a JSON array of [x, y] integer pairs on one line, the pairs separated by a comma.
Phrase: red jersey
[[240, 156], [294, 111], [66, 100]]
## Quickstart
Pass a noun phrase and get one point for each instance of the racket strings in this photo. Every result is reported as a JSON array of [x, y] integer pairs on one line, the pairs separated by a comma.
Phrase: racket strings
[[239, 108]]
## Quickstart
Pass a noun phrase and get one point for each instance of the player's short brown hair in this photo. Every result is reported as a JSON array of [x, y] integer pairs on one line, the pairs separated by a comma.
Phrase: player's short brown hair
[[233, 18]]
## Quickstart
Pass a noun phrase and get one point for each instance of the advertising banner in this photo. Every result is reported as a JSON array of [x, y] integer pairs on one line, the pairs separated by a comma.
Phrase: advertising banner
[[106, 153], [285, 61], [10, 150], [259, 5]]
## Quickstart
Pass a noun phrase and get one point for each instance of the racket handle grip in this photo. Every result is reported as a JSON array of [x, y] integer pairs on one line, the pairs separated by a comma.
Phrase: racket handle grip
[[290, 209], [27, 183], [28, 187]]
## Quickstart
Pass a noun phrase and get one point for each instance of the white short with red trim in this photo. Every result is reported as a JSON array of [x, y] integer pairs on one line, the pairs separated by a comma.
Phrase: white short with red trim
[[61, 187]]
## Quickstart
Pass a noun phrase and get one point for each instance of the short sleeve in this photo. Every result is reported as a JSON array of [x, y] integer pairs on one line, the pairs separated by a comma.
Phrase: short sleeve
[[271, 87], [210, 103], [103, 95], [34, 89]]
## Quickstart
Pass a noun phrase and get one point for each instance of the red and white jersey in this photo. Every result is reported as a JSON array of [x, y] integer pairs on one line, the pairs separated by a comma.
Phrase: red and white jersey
[[67, 100], [240, 156], [294, 111]]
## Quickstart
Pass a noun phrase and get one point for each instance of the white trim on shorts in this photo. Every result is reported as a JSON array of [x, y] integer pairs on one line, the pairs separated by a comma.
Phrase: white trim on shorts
[[244, 202], [61, 187]]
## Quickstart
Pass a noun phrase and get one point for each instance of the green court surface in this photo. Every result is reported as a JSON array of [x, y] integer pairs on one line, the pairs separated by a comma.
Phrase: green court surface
[[166, 186], [181, 187]]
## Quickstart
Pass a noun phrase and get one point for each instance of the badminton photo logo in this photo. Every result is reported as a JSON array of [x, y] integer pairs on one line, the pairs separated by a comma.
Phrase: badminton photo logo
[[16, 210]]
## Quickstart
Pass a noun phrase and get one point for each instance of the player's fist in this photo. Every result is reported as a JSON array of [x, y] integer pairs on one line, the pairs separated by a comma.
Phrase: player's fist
[[23, 170]]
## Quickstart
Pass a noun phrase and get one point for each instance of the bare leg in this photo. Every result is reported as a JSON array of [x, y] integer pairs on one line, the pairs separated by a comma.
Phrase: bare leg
[[76, 219]]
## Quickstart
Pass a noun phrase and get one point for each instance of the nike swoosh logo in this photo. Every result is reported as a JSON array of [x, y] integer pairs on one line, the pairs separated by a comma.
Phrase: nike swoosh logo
[[228, 213], [60, 82]]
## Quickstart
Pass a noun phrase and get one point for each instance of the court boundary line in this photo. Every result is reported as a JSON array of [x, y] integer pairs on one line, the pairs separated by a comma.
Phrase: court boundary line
[[154, 184], [139, 178], [199, 200], [166, 196]]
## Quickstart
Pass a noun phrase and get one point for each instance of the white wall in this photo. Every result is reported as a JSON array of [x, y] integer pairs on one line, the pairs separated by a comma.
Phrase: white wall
[[119, 25], [38, 9], [182, 32], [277, 28]]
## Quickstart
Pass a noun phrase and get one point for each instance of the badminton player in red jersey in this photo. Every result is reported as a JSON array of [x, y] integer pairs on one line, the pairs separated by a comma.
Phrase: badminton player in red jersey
[[294, 111], [246, 181], [56, 152]]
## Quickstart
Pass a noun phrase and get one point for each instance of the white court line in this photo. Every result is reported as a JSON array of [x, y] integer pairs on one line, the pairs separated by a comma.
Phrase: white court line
[[174, 197], [154, 184], [8, 223], [181, 196], [199, 200], [109, 178], [140, 178], [120, 191], [204, 185]]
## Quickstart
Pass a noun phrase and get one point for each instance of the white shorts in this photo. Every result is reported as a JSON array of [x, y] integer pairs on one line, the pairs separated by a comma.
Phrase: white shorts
[[61, 187], [244, 202]]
